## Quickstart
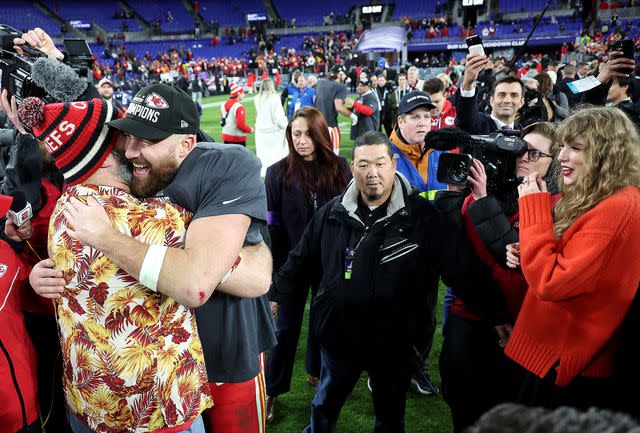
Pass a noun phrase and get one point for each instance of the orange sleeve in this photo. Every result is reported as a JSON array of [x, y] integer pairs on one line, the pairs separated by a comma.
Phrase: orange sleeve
[[555, 274]]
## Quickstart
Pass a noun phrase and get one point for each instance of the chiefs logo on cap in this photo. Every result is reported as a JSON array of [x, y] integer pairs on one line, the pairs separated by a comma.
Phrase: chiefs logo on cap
[[155, 101]]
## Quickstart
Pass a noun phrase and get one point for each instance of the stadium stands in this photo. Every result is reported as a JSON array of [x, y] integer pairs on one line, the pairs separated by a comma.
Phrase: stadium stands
[[517, 6], [229, 13], [151, 10], [24, 16], [101, 13], [199, 48], [413, 8], [505, 31], [311, 13]]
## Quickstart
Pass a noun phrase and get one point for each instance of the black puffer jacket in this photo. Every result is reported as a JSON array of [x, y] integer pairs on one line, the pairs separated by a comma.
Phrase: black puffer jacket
[[381, 308]]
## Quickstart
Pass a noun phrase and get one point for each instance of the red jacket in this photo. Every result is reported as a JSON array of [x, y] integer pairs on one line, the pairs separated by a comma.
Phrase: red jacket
[[512, 284], [447, 117], [580, 286], [18, 363]]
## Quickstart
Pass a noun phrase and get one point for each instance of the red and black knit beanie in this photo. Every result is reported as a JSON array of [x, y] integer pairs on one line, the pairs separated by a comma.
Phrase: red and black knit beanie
[[74, 133]]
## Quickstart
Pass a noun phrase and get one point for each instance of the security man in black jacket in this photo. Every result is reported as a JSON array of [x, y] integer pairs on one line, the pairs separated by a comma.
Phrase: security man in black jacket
[[377, 252]]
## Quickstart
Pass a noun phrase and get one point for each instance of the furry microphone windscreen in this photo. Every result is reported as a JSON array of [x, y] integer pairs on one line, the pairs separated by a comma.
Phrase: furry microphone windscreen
[[58, 80]]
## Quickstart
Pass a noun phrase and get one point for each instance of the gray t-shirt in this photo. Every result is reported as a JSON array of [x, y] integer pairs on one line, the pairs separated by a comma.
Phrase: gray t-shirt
[[326, 92], [222, 179], [367, 123]]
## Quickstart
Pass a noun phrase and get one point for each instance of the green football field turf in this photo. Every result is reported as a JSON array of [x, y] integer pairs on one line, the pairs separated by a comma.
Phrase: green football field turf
[[423, 415]]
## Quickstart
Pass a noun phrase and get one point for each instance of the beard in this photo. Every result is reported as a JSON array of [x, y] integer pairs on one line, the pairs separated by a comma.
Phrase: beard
[[157, 179], [124, 168]]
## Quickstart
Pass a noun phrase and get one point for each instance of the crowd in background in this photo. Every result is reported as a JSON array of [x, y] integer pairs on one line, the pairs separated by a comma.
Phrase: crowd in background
[[541, 283]]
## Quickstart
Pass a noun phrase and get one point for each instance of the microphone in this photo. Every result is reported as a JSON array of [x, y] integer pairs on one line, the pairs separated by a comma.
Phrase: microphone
[[57, 79], [446, 139], [20, 211]]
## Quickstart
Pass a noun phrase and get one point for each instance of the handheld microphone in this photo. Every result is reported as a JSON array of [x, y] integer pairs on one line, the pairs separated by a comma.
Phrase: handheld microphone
[[20, 211]]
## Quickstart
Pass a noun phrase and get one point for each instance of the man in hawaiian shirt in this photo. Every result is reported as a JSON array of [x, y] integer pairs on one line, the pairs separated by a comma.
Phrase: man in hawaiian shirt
[[132, 358]]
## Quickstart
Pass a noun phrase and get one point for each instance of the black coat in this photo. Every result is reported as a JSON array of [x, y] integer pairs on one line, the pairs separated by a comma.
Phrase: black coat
[[471, 120], [598, 96], [381, 308]]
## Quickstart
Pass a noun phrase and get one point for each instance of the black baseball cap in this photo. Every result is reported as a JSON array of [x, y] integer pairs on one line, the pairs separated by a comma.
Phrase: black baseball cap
[[158, 111], [413, 100]]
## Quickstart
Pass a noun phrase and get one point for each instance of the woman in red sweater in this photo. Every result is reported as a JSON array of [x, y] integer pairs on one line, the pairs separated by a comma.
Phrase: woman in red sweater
[[472, 359], [582, 263]]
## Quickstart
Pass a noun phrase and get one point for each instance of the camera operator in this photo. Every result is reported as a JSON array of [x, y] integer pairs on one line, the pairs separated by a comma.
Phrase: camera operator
[[507, 97], [40, 183], [472, 362], [616, 86]]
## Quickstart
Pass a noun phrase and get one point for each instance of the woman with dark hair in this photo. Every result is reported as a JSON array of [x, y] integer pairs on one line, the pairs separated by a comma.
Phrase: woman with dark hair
[[472, 359], [581, 260], [297, 186], [555, 102]]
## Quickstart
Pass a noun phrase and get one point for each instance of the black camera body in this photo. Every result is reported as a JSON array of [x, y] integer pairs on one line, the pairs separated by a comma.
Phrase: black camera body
[[15, 71], [497, 151], [56, 81]]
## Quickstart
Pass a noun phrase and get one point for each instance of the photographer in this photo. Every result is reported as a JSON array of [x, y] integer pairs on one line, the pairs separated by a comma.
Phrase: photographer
[[507, 97], [39, 182], [472, 359]]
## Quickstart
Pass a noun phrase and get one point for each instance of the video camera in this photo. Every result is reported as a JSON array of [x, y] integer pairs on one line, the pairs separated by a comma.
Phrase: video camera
[[497, 151], [26, 75], [15, 70]]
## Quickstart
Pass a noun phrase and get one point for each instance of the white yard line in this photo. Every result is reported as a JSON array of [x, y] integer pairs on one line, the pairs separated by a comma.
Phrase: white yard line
[[219, 103]]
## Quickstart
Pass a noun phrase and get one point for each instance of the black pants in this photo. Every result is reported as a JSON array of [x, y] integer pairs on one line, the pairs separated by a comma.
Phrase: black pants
[[281, 358], [389, 382], [424, 344], [244, 143], [473, 380], [581, 393], [387, 124], [32, 428], [44, 335]]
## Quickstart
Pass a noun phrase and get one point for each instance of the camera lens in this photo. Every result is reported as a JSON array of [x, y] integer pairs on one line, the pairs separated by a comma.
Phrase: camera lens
[[459, 170]]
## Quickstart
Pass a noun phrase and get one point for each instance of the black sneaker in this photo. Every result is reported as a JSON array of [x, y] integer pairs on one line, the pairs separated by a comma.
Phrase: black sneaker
[[424, 384]]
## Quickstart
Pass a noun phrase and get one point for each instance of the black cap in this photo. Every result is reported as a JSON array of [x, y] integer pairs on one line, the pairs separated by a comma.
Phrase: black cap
[[364, 81], [337, 69], [158, 111], [413, 100]]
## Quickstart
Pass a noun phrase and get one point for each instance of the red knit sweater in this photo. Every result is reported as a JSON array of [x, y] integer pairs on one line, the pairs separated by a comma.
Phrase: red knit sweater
[[580, 287]]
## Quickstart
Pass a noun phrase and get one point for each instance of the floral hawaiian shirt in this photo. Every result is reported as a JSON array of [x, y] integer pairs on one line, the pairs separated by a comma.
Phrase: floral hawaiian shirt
[[132, 359]]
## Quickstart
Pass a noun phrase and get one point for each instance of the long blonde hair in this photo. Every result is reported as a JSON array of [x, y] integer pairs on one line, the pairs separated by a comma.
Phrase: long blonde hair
[[611, 161], [267, 88]]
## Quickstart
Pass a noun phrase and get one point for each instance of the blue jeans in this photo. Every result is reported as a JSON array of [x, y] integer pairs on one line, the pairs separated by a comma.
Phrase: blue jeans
[[389, 380], [448, 300], [78, 427]]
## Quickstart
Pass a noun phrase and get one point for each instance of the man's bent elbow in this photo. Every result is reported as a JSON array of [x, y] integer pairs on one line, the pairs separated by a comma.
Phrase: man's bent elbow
[[195, 296], [263, 287]]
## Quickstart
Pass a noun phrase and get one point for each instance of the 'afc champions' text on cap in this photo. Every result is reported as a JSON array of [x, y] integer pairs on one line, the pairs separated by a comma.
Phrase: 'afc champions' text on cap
[[158, 111]]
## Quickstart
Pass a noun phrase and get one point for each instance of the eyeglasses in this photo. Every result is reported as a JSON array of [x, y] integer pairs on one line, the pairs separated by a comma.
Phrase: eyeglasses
[[535, 154]]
